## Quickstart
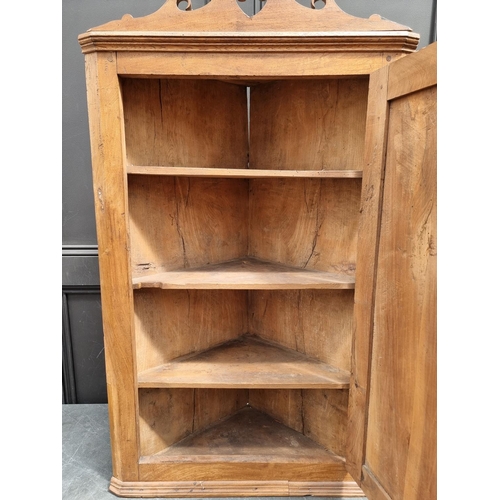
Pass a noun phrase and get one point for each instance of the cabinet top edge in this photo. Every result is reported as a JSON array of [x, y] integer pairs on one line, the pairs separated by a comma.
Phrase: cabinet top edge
[[161, 41], [225, 20]]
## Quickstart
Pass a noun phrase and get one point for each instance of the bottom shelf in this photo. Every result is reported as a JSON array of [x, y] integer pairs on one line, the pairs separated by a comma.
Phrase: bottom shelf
[[248, 436], [242, 435]]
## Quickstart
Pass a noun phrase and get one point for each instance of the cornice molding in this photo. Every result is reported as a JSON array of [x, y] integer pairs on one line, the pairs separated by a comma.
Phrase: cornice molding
[[222, 26]]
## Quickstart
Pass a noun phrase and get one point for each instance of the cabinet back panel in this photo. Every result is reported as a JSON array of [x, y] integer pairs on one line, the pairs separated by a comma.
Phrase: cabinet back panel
[[308, 125], [185, 123], [168, 415], [178, 223], [307, 223], [318, 323], [172, 323], [319, 414]]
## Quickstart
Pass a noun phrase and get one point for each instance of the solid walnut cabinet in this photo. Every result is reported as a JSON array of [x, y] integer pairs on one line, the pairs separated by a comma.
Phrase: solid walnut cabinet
[[265, 205]]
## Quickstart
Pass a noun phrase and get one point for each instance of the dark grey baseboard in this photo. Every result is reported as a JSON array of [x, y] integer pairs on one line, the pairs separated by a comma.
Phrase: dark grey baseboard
[[83, 370]]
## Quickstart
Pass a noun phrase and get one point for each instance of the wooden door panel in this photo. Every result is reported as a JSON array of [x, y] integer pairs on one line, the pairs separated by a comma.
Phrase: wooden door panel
[[395, 457]]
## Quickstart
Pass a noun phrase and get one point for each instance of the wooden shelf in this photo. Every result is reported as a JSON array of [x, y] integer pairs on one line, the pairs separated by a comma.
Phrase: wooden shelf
[[248, 436], [245, 173], [245, 274], [246, 362]]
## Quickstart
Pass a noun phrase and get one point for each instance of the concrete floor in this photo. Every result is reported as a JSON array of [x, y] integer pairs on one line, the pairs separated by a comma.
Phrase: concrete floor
[[86, 455]]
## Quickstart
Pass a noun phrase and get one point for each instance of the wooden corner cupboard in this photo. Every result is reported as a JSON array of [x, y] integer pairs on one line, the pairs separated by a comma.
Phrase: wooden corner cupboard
[[265, 193]]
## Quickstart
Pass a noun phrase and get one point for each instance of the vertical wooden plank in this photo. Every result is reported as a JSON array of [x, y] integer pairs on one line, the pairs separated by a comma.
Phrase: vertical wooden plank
[[109, 179], [401, 432], [369, 225], [395, 346]]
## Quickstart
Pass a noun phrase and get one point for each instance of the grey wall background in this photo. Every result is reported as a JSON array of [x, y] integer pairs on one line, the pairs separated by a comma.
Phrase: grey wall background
[[82, 344]]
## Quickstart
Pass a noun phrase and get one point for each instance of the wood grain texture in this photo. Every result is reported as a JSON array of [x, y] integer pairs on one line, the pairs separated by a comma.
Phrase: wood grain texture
[[248, 436], [178, 223], [308, 125], [317, 323], [413, 74], [306, 223], [216, 250], [247, 173], [168, 489], [264, 60], [166, 416], [319, 414], [246, 362], [106, 135], [401, 444], [225, 16], [246, 446], [185, 123], [175, 323], [245, 274], [369, 230]]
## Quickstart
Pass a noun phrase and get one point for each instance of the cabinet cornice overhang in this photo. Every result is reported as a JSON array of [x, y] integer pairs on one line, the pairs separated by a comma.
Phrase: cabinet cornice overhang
[[282, 25], [395, 41]]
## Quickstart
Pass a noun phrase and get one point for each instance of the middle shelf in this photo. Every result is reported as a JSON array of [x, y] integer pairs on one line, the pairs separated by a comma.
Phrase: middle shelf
[[245, 274], [246, 362]]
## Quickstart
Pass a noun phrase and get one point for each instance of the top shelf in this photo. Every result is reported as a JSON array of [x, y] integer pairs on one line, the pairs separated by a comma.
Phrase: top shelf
[[245, 173]]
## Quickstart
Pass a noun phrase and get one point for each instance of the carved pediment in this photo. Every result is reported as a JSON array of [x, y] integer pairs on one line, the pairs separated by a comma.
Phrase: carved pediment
[[224, 18]]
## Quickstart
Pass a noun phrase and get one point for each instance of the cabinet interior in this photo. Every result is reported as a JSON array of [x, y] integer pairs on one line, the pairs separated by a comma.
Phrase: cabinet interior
[[243, 212]]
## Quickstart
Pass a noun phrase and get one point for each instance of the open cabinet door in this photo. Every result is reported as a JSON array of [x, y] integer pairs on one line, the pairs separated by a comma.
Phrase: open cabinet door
[[392, 409]]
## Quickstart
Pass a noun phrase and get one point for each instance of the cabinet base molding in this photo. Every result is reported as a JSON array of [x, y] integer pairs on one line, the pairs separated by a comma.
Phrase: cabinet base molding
[[176, 489]]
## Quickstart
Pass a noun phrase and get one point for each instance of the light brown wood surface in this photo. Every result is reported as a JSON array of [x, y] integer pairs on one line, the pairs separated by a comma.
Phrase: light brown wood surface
[[317, 323], [246, 173], [399, 456], [307, 223], [167, 416], [245, 274], [239, 176], [247, 436], [369, 233], [262, 60], [221, 16], [174, 323], [106, 135], [247, 362], [308, 124], [178, 223], [401, 433], [156, 489], [306, 411], [164, 117]]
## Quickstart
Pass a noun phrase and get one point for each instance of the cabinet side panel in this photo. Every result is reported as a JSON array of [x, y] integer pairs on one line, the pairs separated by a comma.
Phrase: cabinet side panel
[[185, 123], [308, 223], [308, 125], [106, 133], [178, 223], [172, 323], [401, 444]]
